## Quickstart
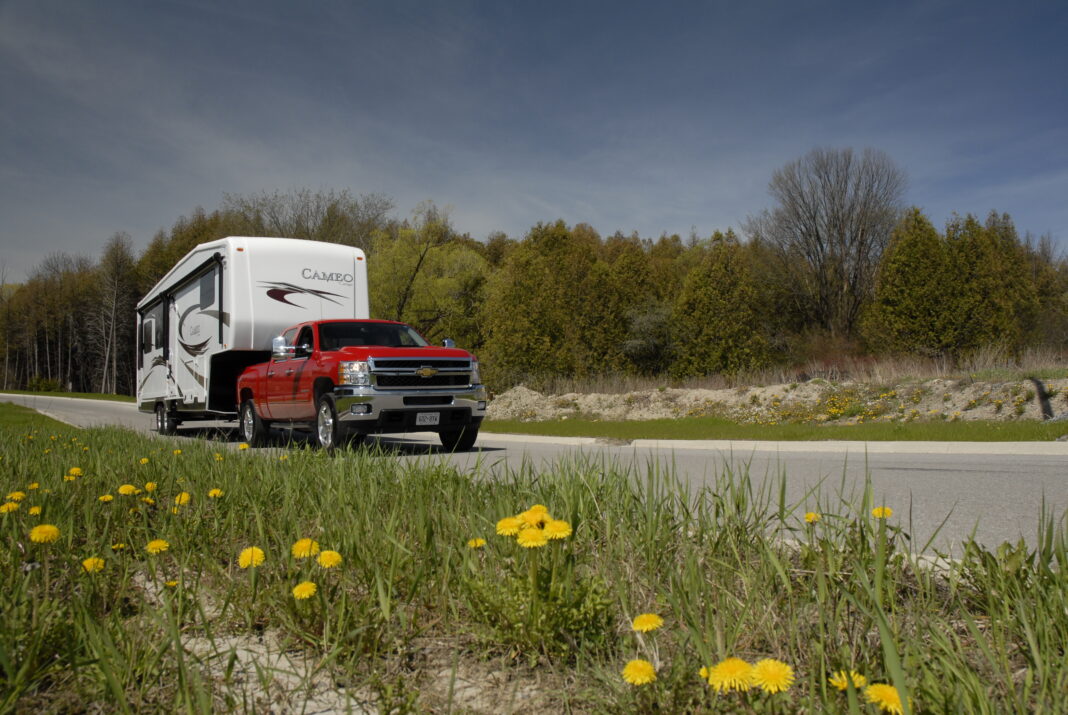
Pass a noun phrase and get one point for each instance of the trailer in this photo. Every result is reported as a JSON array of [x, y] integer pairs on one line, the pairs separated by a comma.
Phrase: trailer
[[217, 311]]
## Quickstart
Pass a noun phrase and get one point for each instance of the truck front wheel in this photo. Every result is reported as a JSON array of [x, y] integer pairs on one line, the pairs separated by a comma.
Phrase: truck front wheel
[[253, 429], [459, 440], [327, 430]]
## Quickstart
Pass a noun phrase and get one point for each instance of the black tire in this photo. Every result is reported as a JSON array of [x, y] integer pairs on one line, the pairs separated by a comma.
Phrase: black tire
[[460, 440], [166, 424], [253, 429], [327, 427]]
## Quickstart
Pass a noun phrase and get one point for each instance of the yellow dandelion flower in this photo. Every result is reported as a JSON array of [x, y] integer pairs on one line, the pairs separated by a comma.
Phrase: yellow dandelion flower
[[35, 511], [33, 486], [118, 546], [508, 526], [841, 680], [773, 676], [69, 477], [538, 509], [557, 529], [476, 543], [182, 499], [533, 518], [812, 517], [105, 498], [148, 500], [176, 452], [170, 584], [150, 486], [283, 458], [16, 496], [8, 507], [218, 457], [215, 493], [730, 674], [75, 472], [128, 490], [243, 445], [329, 559], [252, 556], [93, 564], [44, 534], [305, 548], [144, 460], [882, 512], [885, 696], [639, 672], [532, 538], [157, 546], [303, 590], [134, 510], [647, 622]]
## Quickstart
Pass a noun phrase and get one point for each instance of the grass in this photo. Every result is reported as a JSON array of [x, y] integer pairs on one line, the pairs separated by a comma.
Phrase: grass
[[722, 429], [85, 395], [414, 619]]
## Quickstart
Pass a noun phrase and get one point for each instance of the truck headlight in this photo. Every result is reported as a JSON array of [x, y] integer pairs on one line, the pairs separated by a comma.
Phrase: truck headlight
[[476, 377], [354, 373]]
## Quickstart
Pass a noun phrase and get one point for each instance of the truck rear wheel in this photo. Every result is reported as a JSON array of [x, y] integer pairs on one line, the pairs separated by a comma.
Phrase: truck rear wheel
[[253, 429], [460, 440], [327, 429], [166, 423]]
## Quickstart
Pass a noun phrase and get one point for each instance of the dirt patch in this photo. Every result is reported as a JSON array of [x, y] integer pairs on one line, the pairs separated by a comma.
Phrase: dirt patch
[[815, 401]]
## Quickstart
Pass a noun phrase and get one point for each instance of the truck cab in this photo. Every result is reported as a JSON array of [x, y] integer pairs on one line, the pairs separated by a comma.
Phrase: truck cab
[[345, 379]]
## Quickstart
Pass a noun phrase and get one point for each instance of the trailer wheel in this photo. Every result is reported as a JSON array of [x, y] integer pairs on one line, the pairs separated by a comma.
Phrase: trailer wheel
[[166, 424], [460, 440], [253, 429], [327, 429]]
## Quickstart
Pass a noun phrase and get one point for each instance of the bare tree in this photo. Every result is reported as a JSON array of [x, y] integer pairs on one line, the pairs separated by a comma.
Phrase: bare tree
[[330, 216], [834, 217]]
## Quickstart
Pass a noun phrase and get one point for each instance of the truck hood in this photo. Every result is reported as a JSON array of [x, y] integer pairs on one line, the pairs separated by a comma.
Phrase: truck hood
[[429, 352]]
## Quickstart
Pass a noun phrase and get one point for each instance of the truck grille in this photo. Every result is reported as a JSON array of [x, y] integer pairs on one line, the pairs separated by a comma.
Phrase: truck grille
[[404, 373]]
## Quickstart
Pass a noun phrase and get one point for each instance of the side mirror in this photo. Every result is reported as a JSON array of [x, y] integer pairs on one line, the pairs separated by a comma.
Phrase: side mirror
[[281, 351], [449, 343]]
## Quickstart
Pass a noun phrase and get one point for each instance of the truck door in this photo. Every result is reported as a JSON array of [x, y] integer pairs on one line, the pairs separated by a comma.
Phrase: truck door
[[287, 399]]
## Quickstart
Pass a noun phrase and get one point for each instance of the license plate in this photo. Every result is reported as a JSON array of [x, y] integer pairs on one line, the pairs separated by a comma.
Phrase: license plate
[[424, 419]]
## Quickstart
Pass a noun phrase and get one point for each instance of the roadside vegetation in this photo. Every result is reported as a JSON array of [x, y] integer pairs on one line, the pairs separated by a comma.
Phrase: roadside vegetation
[[713, 428], [152, 575]]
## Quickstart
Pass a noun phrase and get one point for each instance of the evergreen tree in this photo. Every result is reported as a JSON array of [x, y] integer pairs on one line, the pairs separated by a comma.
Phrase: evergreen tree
[[716, 321]]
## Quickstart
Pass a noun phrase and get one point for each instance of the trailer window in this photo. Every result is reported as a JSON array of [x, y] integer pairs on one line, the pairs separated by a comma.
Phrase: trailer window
[[152, 329], [207, 289]]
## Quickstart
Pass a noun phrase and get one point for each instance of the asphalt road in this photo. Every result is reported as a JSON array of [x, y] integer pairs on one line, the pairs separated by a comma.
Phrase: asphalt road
[[995, 490]]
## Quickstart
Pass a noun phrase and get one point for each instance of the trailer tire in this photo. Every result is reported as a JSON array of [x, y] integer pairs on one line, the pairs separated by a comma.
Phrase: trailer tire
[[327, 427], [253, 429], [166, 422], [460, 440]]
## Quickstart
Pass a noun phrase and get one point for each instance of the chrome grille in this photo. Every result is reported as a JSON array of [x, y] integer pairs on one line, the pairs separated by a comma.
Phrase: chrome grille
[[415, 374]]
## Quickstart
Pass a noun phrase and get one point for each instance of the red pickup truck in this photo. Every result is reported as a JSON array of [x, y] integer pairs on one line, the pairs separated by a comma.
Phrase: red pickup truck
[[346, 379]]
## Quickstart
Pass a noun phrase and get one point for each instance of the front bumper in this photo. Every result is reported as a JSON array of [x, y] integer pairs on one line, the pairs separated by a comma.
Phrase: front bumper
[[368, 409]]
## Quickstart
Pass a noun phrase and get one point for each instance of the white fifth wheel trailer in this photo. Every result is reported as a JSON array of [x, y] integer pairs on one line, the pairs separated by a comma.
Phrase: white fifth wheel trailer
[[217, 311]]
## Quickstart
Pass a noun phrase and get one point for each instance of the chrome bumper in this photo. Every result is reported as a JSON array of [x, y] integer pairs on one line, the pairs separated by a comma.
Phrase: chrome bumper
[[349, 398]]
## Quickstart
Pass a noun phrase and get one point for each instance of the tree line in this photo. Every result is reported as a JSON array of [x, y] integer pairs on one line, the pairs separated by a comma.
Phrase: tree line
[[837, 266]]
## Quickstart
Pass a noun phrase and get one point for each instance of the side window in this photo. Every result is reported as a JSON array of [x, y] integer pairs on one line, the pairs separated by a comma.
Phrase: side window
[[305, 337], [207, 289], [290, 335]]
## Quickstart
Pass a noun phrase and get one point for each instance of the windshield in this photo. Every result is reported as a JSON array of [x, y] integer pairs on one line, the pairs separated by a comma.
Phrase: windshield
[[333, 336]]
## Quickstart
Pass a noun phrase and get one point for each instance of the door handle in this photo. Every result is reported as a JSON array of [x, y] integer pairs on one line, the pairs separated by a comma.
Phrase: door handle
[[270, 373], [289, 371]]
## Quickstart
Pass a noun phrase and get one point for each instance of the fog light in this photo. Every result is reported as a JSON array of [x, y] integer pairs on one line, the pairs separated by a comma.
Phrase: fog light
[[481, 404], [360, 410]]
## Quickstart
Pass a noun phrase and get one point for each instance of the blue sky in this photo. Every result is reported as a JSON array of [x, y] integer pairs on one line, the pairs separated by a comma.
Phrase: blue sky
[[648, 117]]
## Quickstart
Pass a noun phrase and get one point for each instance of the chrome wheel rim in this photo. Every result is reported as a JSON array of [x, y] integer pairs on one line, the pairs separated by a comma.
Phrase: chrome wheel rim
[[326, 426], [246, 425]]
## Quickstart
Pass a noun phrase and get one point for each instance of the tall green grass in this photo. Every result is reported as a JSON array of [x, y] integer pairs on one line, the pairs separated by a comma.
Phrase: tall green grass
[[734, 569]]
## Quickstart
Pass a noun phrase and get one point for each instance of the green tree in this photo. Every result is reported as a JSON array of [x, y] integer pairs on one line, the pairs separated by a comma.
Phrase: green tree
[[717, 320], [913, 309]]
